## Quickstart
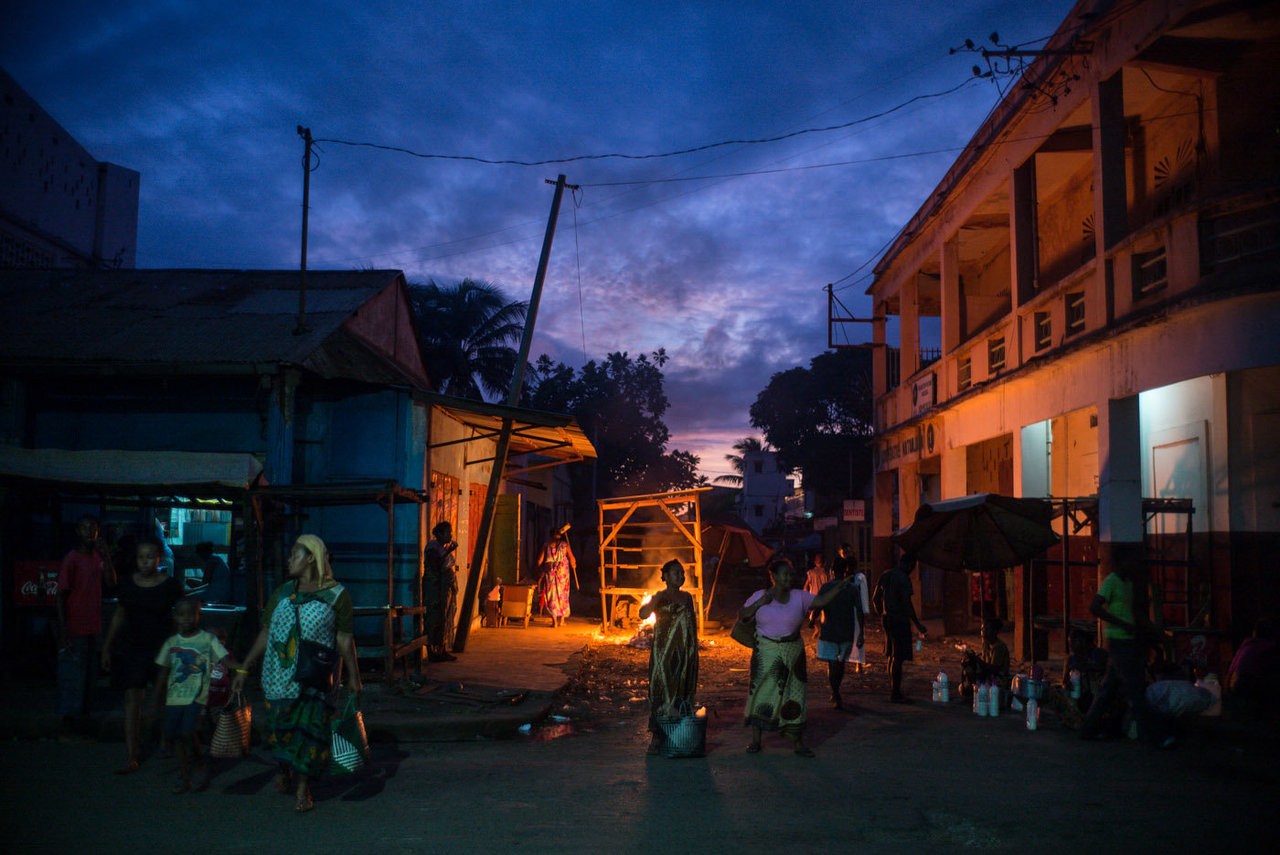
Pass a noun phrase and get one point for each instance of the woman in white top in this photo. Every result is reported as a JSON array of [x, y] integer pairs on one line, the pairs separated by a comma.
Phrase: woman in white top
[[778, 675]]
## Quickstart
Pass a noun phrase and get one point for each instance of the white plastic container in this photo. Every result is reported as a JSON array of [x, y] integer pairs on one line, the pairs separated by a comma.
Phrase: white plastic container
[[1033, 714], [993, 700], [981, 695], [944, 688]]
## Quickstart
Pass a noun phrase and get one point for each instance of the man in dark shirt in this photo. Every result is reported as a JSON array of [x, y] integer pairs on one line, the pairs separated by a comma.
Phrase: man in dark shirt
[[892, 600], [842, 630]]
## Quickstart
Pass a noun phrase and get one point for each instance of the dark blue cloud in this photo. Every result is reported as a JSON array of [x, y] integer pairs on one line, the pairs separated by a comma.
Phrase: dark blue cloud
[[726, 274]]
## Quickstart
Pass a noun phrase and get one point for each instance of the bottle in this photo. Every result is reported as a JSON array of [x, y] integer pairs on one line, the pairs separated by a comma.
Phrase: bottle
[[919, 643], [944, 690], [980, 699], [937, 692], [1075, 683], [993, 699], [1033, 714]]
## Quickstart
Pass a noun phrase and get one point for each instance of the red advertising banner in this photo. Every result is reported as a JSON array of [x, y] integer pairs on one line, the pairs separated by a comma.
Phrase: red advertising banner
[[35, 583]]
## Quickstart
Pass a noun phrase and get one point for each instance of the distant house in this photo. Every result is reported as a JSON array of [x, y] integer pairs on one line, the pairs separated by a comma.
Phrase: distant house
[[766, 490], [59, 207], [207, 400]]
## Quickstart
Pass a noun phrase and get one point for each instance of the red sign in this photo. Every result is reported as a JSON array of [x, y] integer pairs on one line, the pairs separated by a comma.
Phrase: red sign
[[35, 583]]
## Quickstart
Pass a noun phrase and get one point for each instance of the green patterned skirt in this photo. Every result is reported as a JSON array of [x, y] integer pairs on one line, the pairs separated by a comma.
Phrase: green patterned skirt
[[298, 731], [778, 683]]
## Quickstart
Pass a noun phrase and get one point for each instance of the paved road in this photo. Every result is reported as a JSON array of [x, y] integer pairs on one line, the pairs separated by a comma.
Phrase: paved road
[[919, 778]]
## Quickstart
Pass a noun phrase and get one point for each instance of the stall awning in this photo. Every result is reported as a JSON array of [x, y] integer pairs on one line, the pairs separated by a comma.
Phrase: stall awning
[[533, 432], [135, 472]]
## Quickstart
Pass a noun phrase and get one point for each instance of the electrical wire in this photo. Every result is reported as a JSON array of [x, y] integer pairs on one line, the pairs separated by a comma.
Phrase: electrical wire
[[677, 153]]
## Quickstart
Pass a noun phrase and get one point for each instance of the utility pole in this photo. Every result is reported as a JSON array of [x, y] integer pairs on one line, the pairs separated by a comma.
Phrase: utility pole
[[481, 551], [301, 326]]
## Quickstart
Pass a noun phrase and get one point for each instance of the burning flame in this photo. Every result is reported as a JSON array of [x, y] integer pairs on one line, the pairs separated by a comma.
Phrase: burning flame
[[653, 617]]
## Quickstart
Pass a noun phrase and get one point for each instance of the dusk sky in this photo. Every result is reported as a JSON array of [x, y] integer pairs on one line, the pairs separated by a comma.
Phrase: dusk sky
[[720, 256]]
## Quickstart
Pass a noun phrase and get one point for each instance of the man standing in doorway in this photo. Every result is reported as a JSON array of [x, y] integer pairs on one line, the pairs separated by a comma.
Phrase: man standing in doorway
[[439, 591], [892, 600], [85, 571]]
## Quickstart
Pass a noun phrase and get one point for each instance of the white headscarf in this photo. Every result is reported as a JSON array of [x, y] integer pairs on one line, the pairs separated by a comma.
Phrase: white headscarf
[[320, 554]]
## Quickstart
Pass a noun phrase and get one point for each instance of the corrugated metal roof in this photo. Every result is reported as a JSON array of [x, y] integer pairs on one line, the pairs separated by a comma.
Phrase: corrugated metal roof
[[175, 316]]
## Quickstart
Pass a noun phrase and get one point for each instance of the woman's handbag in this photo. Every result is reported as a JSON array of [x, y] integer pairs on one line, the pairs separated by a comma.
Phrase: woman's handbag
[[744, 632], [231, 733], [684, 735], [316, 663], [349, 744]]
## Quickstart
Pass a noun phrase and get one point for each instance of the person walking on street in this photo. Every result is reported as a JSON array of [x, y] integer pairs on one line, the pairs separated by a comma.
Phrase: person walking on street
[[892, 600], [440, 591], [842, 631]]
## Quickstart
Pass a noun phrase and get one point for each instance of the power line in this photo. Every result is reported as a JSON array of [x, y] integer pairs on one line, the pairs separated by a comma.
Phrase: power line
[[618, 155]]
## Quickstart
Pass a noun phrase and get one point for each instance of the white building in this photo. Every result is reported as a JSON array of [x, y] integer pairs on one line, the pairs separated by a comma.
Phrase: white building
[[1102, 264], [765, 489], [58, 206]]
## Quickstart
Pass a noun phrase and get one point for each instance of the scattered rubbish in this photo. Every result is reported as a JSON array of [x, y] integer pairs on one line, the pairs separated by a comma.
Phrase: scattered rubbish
[[559, 718], [525, 728]]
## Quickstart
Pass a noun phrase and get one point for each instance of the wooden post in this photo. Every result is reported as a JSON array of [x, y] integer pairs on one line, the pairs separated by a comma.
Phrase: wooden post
[[504, 438]]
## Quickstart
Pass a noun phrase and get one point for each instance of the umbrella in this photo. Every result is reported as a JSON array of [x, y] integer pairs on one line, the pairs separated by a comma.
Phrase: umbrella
[[985, 531]]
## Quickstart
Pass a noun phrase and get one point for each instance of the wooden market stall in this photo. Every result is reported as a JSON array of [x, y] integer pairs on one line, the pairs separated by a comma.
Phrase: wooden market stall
[[638, 534]]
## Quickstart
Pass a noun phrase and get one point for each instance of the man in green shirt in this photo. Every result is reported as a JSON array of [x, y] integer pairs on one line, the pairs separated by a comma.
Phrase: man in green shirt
[[1126, 668]]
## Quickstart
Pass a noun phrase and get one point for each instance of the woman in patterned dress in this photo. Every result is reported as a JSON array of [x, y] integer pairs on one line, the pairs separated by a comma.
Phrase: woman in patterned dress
[[313, 606], [557, 562], [673, 659]]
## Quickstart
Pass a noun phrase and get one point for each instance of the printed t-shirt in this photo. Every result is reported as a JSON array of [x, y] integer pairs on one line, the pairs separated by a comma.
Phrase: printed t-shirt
[[189, 660], [80, 578], [776, 620], [1117, 595]]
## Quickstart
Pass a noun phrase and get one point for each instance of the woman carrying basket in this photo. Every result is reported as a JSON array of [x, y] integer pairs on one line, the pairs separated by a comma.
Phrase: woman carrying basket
[[311, 605], [673, 659]]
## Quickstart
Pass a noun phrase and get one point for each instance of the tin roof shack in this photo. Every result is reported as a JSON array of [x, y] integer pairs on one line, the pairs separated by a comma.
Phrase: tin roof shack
[[209, 363], [102, 366]]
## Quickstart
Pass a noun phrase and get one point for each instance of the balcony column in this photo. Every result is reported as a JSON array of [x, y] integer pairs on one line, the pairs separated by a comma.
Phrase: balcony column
[[909, 326], [1119, 477], [879, 375], [952, 312], [1110, 199]]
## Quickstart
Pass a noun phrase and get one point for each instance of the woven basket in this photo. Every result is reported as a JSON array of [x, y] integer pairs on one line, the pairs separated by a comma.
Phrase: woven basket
[[684, 735]]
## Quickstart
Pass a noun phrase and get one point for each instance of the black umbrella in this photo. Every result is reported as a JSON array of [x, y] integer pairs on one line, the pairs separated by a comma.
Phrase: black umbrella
[[985, 531]]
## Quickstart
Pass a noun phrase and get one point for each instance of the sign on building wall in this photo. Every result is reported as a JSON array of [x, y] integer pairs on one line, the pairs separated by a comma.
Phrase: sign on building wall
[[922, 393], [855, 510]]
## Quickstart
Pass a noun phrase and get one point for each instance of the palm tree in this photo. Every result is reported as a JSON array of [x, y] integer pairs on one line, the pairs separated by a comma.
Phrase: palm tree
[[466, 331], [743, 446]]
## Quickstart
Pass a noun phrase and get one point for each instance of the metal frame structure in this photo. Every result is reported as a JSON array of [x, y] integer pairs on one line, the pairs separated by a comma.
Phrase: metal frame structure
[[628, 524]]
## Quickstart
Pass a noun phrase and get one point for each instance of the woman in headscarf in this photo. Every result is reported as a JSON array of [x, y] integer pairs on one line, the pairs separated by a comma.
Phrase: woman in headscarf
[[557, 562], [310, 605], [673, 659]]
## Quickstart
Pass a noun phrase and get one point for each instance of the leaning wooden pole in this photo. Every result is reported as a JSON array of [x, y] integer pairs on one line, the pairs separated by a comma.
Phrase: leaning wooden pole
[[481, 551]]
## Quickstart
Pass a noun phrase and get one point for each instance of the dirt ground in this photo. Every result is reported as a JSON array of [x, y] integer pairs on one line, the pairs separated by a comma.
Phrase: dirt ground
[[609, 678]]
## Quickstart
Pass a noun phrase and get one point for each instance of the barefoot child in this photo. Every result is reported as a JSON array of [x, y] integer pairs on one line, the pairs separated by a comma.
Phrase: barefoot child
[[184, 663]]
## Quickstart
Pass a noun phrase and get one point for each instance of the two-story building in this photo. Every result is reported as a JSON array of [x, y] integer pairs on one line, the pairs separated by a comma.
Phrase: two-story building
[[1099, 271]]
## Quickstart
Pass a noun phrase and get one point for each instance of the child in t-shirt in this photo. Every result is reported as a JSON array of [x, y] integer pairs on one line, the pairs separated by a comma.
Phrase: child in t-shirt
[[185, 662]]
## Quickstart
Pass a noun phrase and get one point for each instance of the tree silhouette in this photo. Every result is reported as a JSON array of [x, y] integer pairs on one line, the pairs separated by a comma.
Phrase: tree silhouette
[[466, 332], [744, 446]]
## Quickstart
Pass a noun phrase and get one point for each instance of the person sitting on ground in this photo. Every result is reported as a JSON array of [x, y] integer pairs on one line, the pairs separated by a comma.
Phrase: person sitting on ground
[[1253, 678], [995, 653], [185, 663], [1173, 698], [673, 657]]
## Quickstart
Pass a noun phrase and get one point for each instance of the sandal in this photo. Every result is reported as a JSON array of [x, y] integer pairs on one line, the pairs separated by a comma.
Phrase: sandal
[[284, 782], [753, 748], [303, 804], [128, 768]]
